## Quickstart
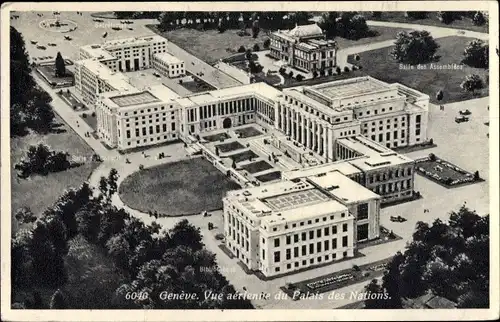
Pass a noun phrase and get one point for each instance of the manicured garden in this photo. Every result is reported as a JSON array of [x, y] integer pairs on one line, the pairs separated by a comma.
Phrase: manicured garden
[[379, 64], [217, 137], [180, 188], [444, 172], [255, 167], [247, 132], [269, 176], [70, 99], [48, 74], [242, 156], [228, 147], [330, 282]]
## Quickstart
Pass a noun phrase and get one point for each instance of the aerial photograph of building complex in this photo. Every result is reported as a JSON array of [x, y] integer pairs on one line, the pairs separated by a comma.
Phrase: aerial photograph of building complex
[[250, 160]]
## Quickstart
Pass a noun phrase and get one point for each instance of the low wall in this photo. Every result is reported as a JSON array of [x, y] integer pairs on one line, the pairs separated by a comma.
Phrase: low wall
[[234, 72]]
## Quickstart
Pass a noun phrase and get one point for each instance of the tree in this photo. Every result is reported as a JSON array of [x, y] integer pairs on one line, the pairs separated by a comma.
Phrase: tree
[[241, 49], [416, 47], [329, 24], [374, 301], [248, 54], [416, 15], [299, 77], [472, 83], [376, 14], [255, 29], [391, 282], [25, 215], [184, 233], [476, 54], [267, 43], [256, 47], [439, 95], [314, 74], [60, 66], [479, 19], [447, 17], [57, 302]]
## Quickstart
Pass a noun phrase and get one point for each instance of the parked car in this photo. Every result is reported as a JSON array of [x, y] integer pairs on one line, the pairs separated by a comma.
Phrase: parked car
[[67, 37], [398, 219], [34, 42], [460, 119], [52, 44], [465, 112], [41, 47], [156, 74]]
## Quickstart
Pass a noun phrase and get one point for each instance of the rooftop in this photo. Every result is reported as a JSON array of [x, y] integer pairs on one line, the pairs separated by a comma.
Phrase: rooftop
[[342, 187], [301, 31], [309, 211], [364, 146], [163, 93], [295, 199], [134, 99], [167, 58], [116, 80], [133, 41], [350, 87], [98, 52], [343, 167]]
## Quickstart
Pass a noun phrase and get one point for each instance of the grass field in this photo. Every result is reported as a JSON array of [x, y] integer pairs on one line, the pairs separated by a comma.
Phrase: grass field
[[246, 155], [379, 64], [431, 20], [228, 147], [247, 132], [210, 45], [382, 34], [258, 166], [185, 187], [269, 176], [217, 137], [39, 192]]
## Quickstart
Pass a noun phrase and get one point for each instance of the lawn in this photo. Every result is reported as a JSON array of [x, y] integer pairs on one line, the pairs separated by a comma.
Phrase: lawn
[[228, 147], [381, 34], [90, 120], [210, 45], [379, 64], [217, 137], [258, 166], [70, 99], [180, 188], [247, 155], [269, 176], [40, 192], [48, 71], [247, 132], [443, 172], [431, 20]]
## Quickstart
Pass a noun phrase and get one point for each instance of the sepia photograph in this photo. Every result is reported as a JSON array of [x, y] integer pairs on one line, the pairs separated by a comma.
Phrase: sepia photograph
[[231, 161]]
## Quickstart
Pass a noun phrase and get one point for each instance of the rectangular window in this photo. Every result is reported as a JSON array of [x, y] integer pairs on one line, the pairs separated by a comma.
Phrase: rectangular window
[[311, 234], [304, 236], [296, 252], [304, 250], [288, 253], [311, 248], [276, 242], [318, 233], [327, 231], [276, 257], [318, 247], [334, 230], [296, 238], [263, 254], [344, 227], [344, 241], [327, 245], [334, 243], [363, 211], [288, 240]]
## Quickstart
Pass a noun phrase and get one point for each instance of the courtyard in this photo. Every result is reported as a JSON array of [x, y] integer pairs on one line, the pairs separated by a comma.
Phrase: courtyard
[[444, 172], [48, 73], [379, 64], [180, 188], [229, 147]]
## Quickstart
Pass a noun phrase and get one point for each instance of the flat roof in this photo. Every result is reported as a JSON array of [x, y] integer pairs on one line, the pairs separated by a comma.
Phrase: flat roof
[[117, 80], [163, 93], [377, 162], [134, 99], [296, 199], [134, 41], [364, 146], [342, 166], [167, 58], [343, 188], [97, 51], [309, 211], [350, 87]]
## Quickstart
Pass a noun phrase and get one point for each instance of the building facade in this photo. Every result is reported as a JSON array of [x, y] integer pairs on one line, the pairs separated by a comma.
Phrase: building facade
[[169, 65], [305, 48], [291, 225]]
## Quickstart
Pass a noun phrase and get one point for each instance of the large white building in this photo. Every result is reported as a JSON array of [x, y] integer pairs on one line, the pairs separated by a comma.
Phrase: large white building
[[291, 225], [100, 67]]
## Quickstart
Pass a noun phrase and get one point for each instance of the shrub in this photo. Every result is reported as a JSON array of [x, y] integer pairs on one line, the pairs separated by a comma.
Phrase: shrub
[[315, 74], [432, 157], [431, 141], [219, 236], [476, 175], [141, 167], [338, 70], [93, 114], [75, 107], [322, 72], [479, 19], [84, 115], [256, 47], [360, 67], [299, 77], [267, 43], [415, 47], [346, 69], [242, 49], [356, 268], [290, 74]]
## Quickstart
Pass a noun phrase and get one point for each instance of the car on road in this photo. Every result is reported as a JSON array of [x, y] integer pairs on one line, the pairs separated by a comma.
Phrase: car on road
[[116, 28], [398, 219], [34, 42], [460, 119], [67, 37], [35, 59], [41, 47], [156, 74], [98, 20], [461, 32], [130, 28], [50, 57], [465, 112], [104, 35]]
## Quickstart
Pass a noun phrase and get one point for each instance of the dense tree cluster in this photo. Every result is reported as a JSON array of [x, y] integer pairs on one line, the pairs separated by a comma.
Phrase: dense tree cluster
[[151, 260], [349, 25], [29, 105], [41, 160], [416, 15], [450, 260], [472, 83], [415, 47], [477, 54]]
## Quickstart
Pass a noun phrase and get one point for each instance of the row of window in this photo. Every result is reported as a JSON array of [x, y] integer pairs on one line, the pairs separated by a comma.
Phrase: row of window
[[159, 129], [165, 137], [303, 235], [306, 250], [390, 174], [156, 109], [311, 261], [309, 222]]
